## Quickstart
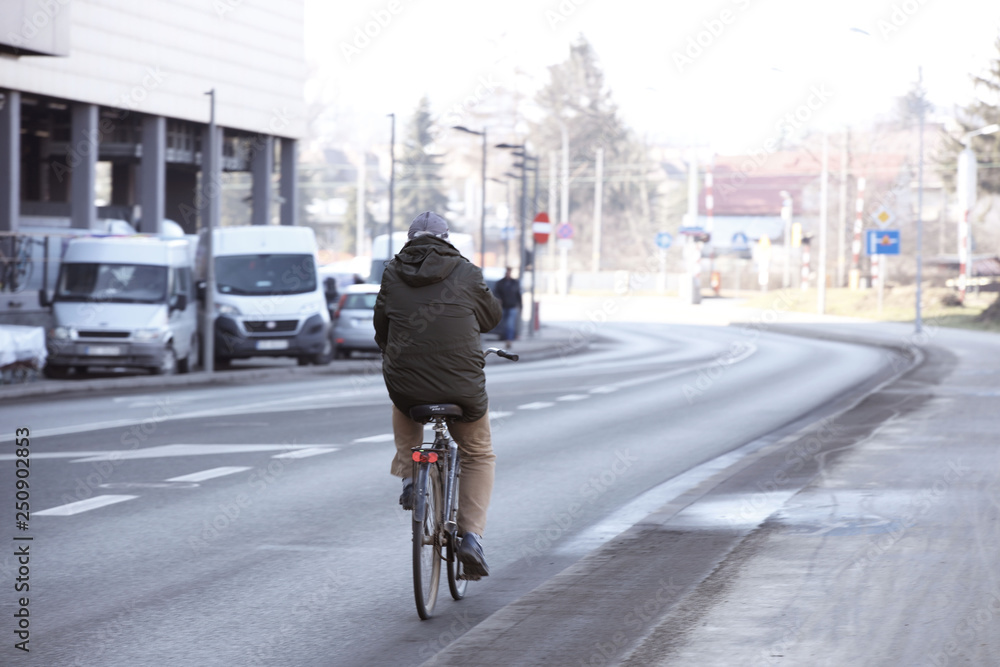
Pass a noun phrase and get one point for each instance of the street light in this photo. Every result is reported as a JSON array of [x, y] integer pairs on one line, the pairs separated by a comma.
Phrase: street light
[[482, 204], [521, 151], [392, 180], [786, 216]]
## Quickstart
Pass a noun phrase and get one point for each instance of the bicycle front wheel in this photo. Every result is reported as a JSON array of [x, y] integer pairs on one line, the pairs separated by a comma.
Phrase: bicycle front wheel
[[427, 540]]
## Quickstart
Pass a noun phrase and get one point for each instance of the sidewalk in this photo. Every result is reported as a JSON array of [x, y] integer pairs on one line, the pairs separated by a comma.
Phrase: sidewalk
[[872, 538], [552, 340]]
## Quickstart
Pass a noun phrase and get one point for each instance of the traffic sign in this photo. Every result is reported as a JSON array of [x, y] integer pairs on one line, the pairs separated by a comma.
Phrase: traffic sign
[[883, 217], [740, 241], [541, 227], [663, 240], [882, 241], [564, 231]]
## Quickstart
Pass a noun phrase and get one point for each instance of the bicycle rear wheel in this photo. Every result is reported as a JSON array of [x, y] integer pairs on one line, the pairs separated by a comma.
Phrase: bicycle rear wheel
[[456, 584], [427, 540]]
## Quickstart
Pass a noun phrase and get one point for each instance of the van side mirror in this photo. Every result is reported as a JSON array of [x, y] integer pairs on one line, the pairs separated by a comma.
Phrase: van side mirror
[[179, 302], [43, 299]]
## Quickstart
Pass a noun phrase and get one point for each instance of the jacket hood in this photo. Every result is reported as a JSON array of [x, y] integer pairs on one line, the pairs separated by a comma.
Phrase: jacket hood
[[427, 260]]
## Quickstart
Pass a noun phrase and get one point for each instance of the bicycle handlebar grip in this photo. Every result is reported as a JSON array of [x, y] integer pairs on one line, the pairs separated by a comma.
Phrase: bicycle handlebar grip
[[507, 355]]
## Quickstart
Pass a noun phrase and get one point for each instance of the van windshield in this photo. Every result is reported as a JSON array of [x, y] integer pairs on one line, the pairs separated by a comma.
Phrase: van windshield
[[116, 283], [265, 274]]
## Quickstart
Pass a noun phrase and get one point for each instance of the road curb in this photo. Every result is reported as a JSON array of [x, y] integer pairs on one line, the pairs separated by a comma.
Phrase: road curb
[[555, 343]]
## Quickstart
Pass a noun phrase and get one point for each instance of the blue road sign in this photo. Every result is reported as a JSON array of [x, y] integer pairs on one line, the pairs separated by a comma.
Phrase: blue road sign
[[663, 240], [740, 241], [564, 231], [882, 241]]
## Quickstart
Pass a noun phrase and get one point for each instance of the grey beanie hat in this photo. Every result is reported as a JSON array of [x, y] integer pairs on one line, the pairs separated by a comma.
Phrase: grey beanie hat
[[428, 223]]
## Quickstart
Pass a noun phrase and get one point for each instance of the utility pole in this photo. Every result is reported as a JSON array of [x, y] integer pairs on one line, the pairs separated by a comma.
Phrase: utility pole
[[211, 187], [359, 231], [823, 196], [842, 212], [917, 324], [598, 197], [392, 180]]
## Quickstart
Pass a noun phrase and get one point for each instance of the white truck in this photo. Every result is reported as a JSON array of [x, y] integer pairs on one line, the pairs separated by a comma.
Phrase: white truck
[[268, 299], [123, 302]]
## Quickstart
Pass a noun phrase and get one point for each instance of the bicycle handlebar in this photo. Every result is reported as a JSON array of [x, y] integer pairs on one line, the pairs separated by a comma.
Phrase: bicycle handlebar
[[501, 353]]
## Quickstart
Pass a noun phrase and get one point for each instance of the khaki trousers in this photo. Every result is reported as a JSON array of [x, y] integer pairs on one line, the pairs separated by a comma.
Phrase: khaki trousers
[[478, 464]]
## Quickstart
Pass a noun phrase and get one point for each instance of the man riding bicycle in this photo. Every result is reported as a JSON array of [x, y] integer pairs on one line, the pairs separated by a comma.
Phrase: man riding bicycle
[[432, 306]]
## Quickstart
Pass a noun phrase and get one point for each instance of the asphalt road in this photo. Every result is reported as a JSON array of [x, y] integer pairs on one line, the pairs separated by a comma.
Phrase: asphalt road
[[258, 524]]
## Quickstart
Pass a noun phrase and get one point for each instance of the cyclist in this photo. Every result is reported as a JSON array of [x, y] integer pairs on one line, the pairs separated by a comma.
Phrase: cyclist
[[432, 306]]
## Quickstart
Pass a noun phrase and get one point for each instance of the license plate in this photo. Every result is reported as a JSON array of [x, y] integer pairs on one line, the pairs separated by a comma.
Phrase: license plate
[[102, 350], [272, 345]]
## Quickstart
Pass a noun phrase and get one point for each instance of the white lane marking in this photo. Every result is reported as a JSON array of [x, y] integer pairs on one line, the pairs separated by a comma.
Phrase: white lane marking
[[178, 450], [499, 414], [211, 473], [304, 453], [603, 390], [537, 405], [382, 437], [84, 505], [573, 397], [52, 455]]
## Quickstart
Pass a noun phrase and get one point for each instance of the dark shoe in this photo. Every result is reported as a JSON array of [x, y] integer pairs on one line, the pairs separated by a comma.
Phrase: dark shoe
[[406, 498], [470, 555]]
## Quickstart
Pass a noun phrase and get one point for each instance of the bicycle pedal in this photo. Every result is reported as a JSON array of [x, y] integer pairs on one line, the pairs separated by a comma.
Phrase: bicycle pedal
[[468, 577]]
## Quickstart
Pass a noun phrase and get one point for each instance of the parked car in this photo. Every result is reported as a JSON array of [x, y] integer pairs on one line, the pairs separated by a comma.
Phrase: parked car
[[353, 325], [123, 302], [268, 298]]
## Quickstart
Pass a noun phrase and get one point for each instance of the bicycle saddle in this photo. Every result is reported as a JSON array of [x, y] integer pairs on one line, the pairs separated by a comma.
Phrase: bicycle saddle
[[424, 413]]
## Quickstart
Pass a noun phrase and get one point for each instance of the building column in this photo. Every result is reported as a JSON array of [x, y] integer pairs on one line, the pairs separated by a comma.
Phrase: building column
[[262, 166], [289, 180], [82, 160], [10, 161], [153, 173]]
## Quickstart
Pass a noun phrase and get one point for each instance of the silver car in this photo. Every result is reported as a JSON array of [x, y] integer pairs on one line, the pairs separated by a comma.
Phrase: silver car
[[353, 327]]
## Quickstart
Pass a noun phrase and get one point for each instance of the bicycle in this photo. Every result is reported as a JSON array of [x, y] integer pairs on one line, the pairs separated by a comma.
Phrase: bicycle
[[436, 474]]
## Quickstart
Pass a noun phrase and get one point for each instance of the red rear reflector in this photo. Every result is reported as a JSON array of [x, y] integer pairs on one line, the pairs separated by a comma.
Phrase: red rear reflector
[[425, 457]]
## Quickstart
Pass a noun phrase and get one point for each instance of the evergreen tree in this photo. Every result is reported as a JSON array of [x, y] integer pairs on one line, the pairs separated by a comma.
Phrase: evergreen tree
[[985, 110], [418, 177], [577, 99]]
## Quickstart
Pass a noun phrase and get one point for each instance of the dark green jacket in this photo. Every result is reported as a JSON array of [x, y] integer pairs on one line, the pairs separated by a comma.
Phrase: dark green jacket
[[430, 310]]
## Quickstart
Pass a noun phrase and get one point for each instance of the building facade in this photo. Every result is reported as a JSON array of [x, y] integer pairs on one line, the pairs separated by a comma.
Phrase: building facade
[[116, 91]]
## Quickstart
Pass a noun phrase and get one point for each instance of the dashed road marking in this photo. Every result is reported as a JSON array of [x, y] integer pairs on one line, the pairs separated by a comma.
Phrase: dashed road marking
[[537, 405], [304, 453], [84, 505], [573, 397], [382, 437], [211, 473]]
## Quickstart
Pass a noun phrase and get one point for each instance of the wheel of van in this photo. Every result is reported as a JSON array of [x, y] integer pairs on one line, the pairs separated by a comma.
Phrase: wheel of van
[[55, 372], [188, 363], [169, 364], [341, 353], [324, 357], [222, 363]]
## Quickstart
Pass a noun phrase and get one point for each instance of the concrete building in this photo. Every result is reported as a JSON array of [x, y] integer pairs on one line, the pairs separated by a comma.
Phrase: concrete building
[[116, 90]]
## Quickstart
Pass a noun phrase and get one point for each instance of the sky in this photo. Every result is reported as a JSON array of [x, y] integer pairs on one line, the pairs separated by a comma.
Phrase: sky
[[724, 74]]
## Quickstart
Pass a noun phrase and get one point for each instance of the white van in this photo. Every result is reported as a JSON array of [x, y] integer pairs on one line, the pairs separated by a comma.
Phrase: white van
[[123, 302], [268, 299]]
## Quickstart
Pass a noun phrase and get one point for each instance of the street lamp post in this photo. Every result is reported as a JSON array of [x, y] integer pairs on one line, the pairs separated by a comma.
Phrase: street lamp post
[[521, 151], [392, 180], [786, 217], [482, 203]]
